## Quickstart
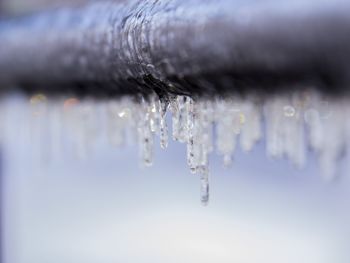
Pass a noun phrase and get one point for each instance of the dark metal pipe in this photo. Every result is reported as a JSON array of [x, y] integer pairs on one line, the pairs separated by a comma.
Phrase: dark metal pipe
[[179, 46]]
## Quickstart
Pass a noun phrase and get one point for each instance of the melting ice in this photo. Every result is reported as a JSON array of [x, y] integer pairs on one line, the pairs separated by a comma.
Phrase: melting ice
[[292, 124]]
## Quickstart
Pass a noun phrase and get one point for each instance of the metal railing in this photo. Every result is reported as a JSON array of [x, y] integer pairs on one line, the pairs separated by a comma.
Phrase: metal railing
[[179, 46]]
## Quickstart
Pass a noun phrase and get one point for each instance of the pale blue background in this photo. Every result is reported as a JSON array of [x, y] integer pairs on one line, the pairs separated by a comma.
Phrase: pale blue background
[[108, 209]]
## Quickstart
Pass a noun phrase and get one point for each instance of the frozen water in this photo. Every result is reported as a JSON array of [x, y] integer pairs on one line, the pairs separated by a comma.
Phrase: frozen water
[[163, 125], [293, 124]]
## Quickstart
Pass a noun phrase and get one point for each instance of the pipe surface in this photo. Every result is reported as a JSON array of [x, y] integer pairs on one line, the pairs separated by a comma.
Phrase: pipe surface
[[179, 46]]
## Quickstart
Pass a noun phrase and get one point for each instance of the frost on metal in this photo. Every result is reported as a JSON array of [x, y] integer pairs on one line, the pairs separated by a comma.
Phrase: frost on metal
[[289, 125]]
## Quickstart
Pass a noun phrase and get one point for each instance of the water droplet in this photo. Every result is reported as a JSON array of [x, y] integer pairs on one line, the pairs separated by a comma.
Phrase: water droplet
[[121, 114], [150, 66], [289, 111]]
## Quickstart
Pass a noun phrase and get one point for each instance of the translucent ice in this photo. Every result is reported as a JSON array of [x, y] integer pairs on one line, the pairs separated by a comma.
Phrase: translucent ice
[[292, 123], [163, 125]]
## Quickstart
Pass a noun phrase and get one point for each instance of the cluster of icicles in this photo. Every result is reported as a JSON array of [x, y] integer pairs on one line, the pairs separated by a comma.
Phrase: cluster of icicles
[[292, 124]]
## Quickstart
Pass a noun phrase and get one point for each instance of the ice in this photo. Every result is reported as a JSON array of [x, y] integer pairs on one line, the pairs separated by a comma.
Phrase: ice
[[285, 129], [250, 118], [145, 134], [163, 125], [189, 134], [227, 128], [82, 123], [154, 113], [55, 129], [179, 118], [204, 133], [38, 110], [116, 115], [290, 124], [204, 181]]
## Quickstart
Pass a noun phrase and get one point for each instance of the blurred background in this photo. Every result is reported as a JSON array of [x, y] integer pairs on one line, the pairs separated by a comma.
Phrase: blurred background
[[108, 209]]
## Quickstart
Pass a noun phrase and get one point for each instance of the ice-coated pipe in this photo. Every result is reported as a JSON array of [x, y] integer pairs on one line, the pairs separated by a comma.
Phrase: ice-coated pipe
[[179, 46]]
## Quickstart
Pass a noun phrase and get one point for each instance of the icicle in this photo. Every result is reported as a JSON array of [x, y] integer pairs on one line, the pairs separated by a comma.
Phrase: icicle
[[145, 136], [251, 127], [189, 134], [204, 130], [285, 129], [295, 139], [38, 118], [55, 129], [175, 112], [334, 136], [132, 124], [163, 125], [154, 111], [273, 116], [204, 180], [86, 128], [226, 130], [119, 118], [115, 116], [179, 111]]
